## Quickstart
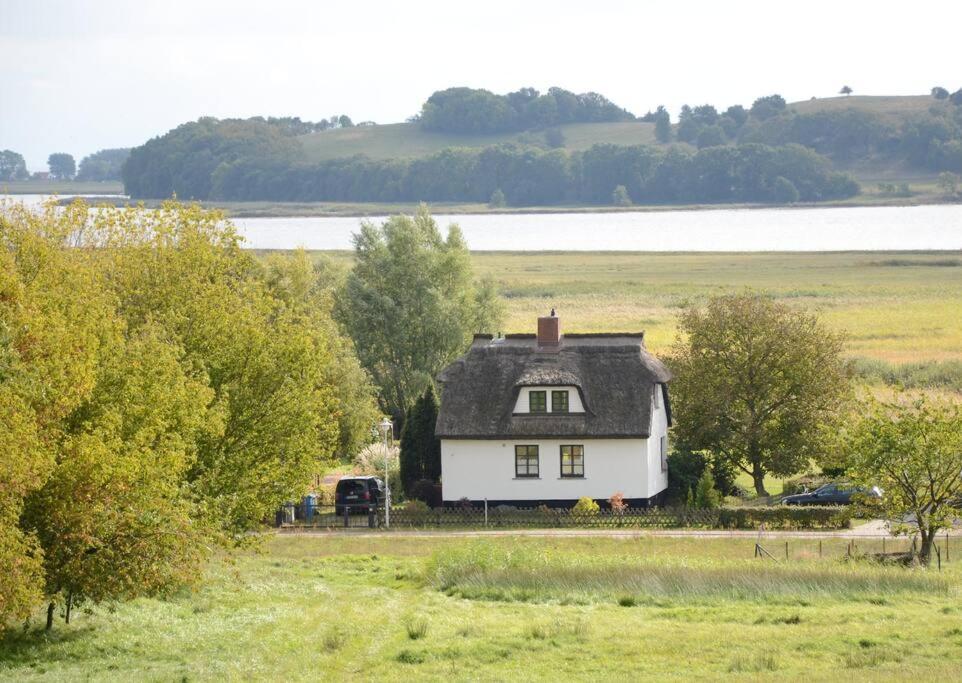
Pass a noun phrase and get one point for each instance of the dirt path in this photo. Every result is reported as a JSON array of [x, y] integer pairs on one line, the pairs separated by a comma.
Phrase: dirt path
[[873, 529]]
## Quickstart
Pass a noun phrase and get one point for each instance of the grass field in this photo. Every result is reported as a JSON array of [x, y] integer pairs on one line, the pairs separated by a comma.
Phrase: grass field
[[402, 609], [407, 140], [898, 307]]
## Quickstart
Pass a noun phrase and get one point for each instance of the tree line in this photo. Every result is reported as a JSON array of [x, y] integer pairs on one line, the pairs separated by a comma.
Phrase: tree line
[[478, 111], [250, 160], [164, 391]]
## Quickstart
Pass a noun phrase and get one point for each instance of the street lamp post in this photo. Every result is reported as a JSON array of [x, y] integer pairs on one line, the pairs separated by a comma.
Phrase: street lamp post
[[387, 427]]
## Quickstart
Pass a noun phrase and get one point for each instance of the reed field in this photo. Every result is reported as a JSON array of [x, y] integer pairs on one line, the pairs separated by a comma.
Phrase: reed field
[[371, 607], [894, 307]]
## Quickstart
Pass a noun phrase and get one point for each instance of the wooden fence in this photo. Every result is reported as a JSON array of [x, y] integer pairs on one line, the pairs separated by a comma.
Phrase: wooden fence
[[776, 517]]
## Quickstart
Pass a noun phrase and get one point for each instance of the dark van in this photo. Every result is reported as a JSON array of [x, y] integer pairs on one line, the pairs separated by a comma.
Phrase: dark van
[[361, 494]]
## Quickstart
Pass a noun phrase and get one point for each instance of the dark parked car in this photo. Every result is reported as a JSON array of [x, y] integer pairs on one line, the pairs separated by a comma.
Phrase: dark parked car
[[831, 494], [359, 493]]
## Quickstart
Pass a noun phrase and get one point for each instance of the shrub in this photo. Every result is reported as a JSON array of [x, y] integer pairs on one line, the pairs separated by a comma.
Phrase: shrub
[[416, 507], [784, 191], [497, 199], [370, 460], [617, 502], [427, 491], [785, 517], [619, 197], [686, 467], [706, 496], [416, 627], [585, 506], [325, 494]]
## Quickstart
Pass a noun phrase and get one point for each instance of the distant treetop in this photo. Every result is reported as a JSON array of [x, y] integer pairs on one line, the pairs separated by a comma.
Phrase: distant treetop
[[471, 110]]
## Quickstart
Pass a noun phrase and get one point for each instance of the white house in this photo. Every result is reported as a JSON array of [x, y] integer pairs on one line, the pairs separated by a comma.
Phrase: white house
[[530, 419]]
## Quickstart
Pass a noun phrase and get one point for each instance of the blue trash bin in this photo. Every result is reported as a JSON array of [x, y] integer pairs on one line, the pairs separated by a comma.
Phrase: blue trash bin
[[310, 506]]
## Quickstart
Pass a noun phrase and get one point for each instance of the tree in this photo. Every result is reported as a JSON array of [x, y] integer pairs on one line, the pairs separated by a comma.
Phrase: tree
[[62, 165], [956, 97], [912, 449], [940, 93], [784, 191], [106, 164], [845, 90], [12, 166], [497, 199], [410, 304], [948, 183], [554, 138], [754, 383], [662, 121], [767, 107], [420, 449], [706, 497], [619, 197], [344, 121], [710, 136]]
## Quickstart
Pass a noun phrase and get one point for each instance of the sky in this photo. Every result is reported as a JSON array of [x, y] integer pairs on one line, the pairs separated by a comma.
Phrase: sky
[[81, 76]]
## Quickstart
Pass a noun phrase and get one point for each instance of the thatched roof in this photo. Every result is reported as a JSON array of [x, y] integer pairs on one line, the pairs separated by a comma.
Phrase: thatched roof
[[614, 373]]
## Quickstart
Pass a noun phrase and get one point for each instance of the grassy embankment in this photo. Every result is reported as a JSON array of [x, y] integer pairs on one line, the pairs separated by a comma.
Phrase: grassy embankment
[[366, 608], [60, 187]]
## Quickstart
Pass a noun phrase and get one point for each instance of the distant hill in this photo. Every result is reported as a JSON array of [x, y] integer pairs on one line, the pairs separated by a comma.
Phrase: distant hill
[[559, 148]]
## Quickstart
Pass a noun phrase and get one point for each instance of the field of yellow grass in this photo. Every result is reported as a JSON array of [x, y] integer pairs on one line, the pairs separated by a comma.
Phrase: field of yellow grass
[[897, 307]]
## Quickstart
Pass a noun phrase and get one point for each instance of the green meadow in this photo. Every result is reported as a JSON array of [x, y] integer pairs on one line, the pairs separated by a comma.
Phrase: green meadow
[[371, 607]]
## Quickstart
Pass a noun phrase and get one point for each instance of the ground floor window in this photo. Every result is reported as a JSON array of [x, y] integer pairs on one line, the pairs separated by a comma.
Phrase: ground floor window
[[526, 461], [572, 461]]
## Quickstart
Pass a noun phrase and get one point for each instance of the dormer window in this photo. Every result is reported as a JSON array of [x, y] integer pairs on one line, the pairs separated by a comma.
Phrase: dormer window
[[537, 402], [559, 401]]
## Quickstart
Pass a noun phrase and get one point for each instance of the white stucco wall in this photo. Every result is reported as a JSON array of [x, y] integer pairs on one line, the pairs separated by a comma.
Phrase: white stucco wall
[[484, 468], [574, 398], [477, 469], [657, 480]]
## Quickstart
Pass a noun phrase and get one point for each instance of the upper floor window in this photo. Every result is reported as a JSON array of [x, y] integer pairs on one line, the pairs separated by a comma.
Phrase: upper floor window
[[537, 402], [559, 401], [526, 461]]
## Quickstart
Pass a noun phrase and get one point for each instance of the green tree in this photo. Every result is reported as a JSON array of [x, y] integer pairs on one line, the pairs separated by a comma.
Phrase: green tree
[[706, 496], [497, 199], [755, 381], [845, 90], [948, 183], [106, 164], [767, 107], [410, 304], [912, 449], [784, 191], [12, 166], [940, 93], [554, 138], [62, 165], [344, 121], [662, 125], [420, 448], [710, 136], [619, 197]]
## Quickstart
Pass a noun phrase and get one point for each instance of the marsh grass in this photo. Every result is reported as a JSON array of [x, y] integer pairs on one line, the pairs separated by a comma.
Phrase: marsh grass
[[416, 627], [516, 573]]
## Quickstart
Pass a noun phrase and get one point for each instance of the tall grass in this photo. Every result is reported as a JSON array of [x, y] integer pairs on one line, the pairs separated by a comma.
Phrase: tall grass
[[514, 572]]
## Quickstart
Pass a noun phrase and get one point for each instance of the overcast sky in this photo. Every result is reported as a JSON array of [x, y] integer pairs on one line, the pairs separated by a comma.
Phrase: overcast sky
[[81, 76]]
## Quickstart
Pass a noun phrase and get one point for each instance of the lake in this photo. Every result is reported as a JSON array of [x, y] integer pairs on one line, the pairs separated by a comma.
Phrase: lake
[[888, 228]]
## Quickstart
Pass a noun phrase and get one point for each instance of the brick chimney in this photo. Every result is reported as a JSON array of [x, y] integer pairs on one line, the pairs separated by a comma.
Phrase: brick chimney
[[549, 330]]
